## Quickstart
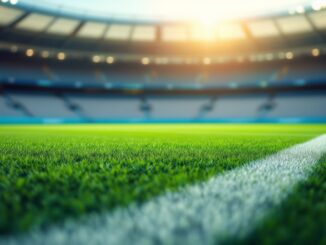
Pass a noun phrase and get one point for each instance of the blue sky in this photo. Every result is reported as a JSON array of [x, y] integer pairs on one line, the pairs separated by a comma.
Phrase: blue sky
[[206, 10]]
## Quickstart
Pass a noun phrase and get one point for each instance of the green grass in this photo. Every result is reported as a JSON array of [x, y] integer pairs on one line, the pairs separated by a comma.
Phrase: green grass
[[51, 173], [301, 219]]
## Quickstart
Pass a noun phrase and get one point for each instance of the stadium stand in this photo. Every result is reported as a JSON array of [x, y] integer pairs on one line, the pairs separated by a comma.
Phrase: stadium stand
[[180, 107], [237, 107], [88, 107], [43, 105], [10, 108], [296, 105], [94, 70], [108, 107]]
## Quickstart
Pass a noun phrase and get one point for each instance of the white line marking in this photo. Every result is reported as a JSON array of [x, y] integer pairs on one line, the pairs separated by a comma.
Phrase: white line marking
[[228, 205]]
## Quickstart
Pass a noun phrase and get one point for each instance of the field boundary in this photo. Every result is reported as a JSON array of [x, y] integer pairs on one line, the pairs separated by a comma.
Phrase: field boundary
[[224, 207], [35, 120]]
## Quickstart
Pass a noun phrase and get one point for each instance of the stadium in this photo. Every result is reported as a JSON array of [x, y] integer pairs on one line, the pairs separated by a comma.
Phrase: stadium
[[162, 122]]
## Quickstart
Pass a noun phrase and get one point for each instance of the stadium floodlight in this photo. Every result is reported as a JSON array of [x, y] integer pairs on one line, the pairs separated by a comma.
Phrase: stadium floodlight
[[289, 55], [110, 60], [45, 54], [318, 5], [145, 60], [315, 52], [207, 61], [29, 52], [96, 59], [13, 2], [61, 56], [300, 9]]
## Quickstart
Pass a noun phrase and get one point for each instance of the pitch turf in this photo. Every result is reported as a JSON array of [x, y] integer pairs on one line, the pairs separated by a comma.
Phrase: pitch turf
[[51, 173]]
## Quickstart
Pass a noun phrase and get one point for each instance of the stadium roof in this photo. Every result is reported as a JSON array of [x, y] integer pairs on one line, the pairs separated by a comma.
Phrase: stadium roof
[[296, 33], [158, 10]]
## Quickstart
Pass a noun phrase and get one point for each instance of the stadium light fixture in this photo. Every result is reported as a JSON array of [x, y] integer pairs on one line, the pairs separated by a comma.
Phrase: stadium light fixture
[[300, 9], [45, 54], [61, 56], [207, 61], [13, 2], [318, 5], [110, 60], [145, 61], [4, 1], [96, 59], [315, 52], [289, 55], [297, 10], [29, 52]]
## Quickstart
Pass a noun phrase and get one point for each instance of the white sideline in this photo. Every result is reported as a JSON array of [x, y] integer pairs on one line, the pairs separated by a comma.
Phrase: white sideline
[[228, 205]]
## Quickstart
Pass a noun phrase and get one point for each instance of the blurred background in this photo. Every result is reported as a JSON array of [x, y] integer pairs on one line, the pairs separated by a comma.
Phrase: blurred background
[[162, 61]]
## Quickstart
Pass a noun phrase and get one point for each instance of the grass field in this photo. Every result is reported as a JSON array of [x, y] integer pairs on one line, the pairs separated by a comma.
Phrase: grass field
[[49, 174]]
